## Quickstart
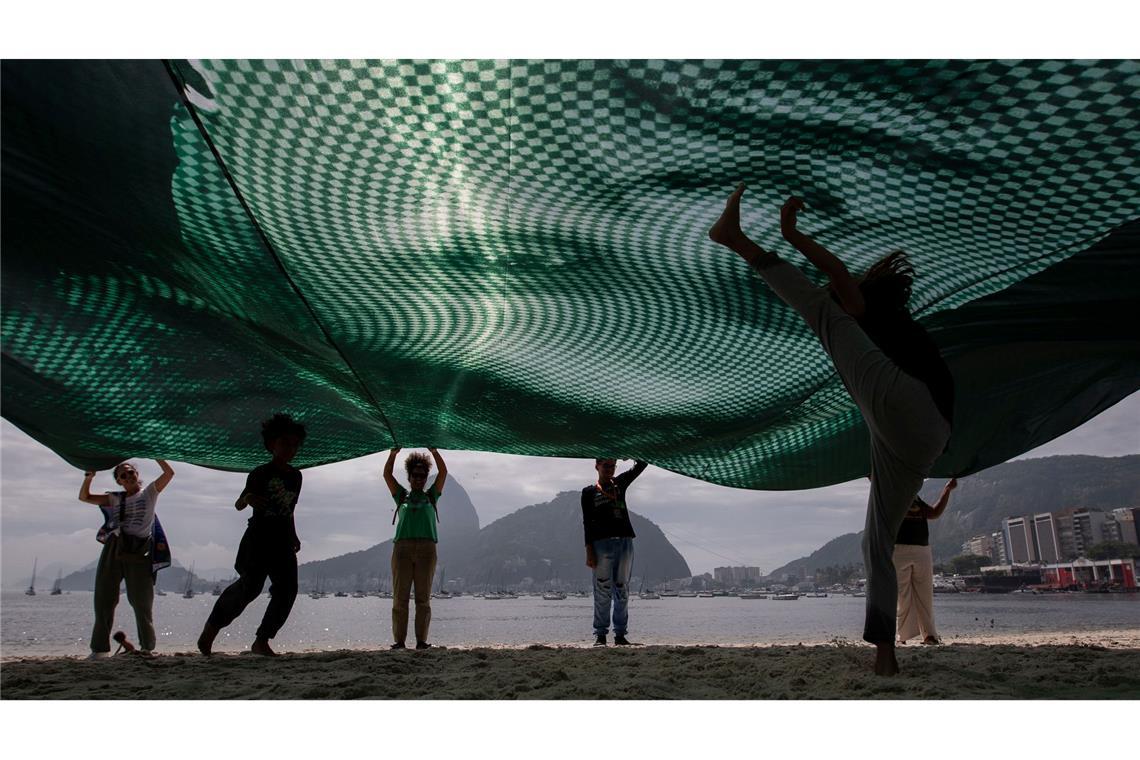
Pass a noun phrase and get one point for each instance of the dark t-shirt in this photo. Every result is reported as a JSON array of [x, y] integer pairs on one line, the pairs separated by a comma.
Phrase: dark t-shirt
[[604, 515], [914, 531], [278, 491], [910, 347]]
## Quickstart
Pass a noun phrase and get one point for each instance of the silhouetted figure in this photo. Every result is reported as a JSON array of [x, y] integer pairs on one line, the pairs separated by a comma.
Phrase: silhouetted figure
[[414, 547], [609, 547], [269, 546], [128, 538], [891, 368], [914, 567]]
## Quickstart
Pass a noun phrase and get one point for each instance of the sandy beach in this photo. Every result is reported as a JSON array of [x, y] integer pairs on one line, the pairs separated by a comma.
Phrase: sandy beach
[[1091, 665]]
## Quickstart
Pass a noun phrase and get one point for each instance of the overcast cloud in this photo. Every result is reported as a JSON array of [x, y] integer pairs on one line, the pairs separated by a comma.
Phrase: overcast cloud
[[344, 506]]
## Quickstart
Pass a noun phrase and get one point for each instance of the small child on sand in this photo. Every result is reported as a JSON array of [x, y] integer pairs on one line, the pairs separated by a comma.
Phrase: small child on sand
[[270, 544]]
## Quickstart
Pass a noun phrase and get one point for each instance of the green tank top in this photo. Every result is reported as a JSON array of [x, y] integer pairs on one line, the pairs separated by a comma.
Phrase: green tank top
[[416, 514]]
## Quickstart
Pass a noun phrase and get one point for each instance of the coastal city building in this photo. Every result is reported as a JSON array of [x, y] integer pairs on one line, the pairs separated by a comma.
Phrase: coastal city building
[[1045, 534], [1084, 573], [1088, 529], [1126, 520], [982, 546], [1000, 553], [736, 575], [1020, 539]]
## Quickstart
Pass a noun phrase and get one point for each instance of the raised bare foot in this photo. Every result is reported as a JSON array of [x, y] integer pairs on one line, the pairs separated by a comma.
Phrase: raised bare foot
[[885, 662], [726, 230], [206, 639], [261, 647]]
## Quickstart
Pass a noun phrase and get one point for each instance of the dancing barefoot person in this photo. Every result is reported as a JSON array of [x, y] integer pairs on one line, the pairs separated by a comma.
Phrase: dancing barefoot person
[[891, 368]]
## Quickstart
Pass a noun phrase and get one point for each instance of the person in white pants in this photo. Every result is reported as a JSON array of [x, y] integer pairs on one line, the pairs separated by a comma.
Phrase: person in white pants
[[894, 373], [914, 566]]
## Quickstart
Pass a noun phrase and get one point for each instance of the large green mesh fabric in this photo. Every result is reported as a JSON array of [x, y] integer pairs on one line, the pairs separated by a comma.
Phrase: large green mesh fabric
[[512, 256]]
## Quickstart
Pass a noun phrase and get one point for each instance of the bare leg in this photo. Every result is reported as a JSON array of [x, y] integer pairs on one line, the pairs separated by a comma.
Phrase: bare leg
[[885, 662], [261, 647], [726, 230], [206, 638]]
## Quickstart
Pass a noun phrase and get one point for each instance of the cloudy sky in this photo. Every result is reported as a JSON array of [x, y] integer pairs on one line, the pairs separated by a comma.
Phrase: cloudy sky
[[344, 506]]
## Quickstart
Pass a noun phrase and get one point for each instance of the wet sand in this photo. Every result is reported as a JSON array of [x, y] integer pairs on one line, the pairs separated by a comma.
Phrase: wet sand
[[1093, 665]]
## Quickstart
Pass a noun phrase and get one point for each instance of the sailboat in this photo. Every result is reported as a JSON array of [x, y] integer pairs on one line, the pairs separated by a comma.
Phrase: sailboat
[[189, 592], [442, 593], [32, 586], [650, 594], [57, 588]]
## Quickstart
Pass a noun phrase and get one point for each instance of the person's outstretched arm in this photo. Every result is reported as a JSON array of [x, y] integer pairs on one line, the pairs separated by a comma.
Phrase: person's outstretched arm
[[631, 474], [389, 478], [943, 501], [164, 479], [100, 499], [846, 286], [441, 470]]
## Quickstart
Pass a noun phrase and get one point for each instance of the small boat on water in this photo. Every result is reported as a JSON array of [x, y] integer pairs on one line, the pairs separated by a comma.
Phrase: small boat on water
[[816, 595], [687, 594], [859, 593], [188, 592], [667, 593], [216, 590], [553, 596], [32, 586], [785, 597], [492, 597], [56, 588], [358, 594], [341, 593], [752, 595], [706, 594]]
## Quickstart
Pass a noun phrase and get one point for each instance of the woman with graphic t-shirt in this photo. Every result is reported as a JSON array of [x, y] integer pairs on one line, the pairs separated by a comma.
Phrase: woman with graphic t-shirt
[[126, 553], [413, 549]]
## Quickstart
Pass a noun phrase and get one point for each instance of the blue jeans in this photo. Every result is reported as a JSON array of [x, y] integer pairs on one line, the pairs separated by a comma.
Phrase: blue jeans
[[611, 581]]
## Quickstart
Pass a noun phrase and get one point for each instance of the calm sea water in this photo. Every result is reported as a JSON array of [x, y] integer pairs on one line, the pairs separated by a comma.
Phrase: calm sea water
[[60, 625]]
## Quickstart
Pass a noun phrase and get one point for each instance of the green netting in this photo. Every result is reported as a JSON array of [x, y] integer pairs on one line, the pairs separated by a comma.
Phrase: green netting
[[511, 255]]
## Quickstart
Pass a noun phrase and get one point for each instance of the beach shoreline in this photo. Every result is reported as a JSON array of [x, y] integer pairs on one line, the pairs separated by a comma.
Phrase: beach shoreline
[[1060, 665]]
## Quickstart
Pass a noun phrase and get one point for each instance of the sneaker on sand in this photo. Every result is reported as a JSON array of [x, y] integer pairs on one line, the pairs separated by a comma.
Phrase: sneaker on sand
[[600, 641], [398, 645], [622, 641], [98, 655], [423, 645]]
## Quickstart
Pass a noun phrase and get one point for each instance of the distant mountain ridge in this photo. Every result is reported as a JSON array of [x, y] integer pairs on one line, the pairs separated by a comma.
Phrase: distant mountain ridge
[[983, 500], [541, 542]]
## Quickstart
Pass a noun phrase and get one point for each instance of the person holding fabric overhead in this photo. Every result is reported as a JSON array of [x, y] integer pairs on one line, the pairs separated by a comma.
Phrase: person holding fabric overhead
[[893, 371], [414, 547], [609, 547], [269, 546], [914, 566], [128, 536]]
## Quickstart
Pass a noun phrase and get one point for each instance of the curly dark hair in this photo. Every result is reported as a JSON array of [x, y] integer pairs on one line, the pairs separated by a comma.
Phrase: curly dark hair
[[886, 285], [279, 426], [417, 460]]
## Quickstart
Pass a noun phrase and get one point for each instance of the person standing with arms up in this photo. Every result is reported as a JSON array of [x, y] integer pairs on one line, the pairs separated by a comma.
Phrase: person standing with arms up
[[414, 547], [891, 368], [914, 566], [270, 545], [128, 538], [609, 547]]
